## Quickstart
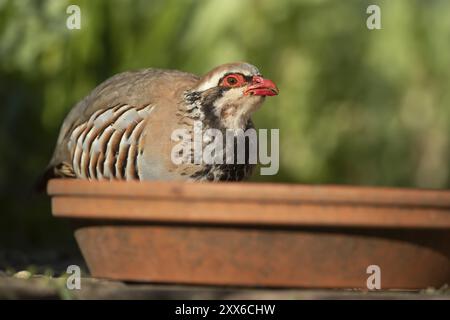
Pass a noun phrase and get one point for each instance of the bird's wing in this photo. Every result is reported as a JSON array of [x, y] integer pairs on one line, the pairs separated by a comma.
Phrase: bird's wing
[[120, 104]]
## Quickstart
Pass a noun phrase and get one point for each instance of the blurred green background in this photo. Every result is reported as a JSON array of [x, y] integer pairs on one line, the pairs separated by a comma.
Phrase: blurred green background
[[356, 106]]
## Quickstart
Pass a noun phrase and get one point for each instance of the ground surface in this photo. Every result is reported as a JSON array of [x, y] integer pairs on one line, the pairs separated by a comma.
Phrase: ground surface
[[41, 275], [24, 286]]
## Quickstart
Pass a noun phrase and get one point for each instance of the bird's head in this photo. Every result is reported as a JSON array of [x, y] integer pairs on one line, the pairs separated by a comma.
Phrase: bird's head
[[228, 95]]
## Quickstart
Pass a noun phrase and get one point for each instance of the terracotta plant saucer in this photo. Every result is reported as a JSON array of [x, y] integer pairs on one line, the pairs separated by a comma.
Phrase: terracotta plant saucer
[[247, 234]]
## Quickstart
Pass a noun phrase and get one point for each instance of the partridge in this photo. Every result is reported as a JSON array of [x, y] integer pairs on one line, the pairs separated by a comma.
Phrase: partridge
[[123, 128]]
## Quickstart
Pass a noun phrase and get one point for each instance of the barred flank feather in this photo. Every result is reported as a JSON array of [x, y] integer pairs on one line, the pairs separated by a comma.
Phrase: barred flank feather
[[105, 146]]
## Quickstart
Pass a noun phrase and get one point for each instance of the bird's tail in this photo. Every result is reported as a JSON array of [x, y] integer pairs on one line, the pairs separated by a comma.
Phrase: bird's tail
[[40, 184]]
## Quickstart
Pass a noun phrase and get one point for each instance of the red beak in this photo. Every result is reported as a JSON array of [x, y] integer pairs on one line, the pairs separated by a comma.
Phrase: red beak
[[261, 87]]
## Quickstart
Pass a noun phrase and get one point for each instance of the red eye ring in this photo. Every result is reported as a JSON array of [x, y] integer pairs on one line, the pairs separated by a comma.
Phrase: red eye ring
[[233, 80]]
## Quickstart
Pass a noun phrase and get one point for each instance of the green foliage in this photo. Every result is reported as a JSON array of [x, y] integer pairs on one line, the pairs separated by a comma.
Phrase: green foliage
[[356, 106]]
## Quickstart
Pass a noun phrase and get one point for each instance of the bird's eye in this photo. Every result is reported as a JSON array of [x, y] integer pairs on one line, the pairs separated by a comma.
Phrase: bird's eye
[[233, 80]]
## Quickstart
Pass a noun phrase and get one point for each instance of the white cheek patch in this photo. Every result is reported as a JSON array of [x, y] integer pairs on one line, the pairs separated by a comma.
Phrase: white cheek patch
[[231, 96], [243, 107]]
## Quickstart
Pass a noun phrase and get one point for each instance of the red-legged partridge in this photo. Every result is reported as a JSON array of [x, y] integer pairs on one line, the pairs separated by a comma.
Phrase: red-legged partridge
[[123, 128]]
